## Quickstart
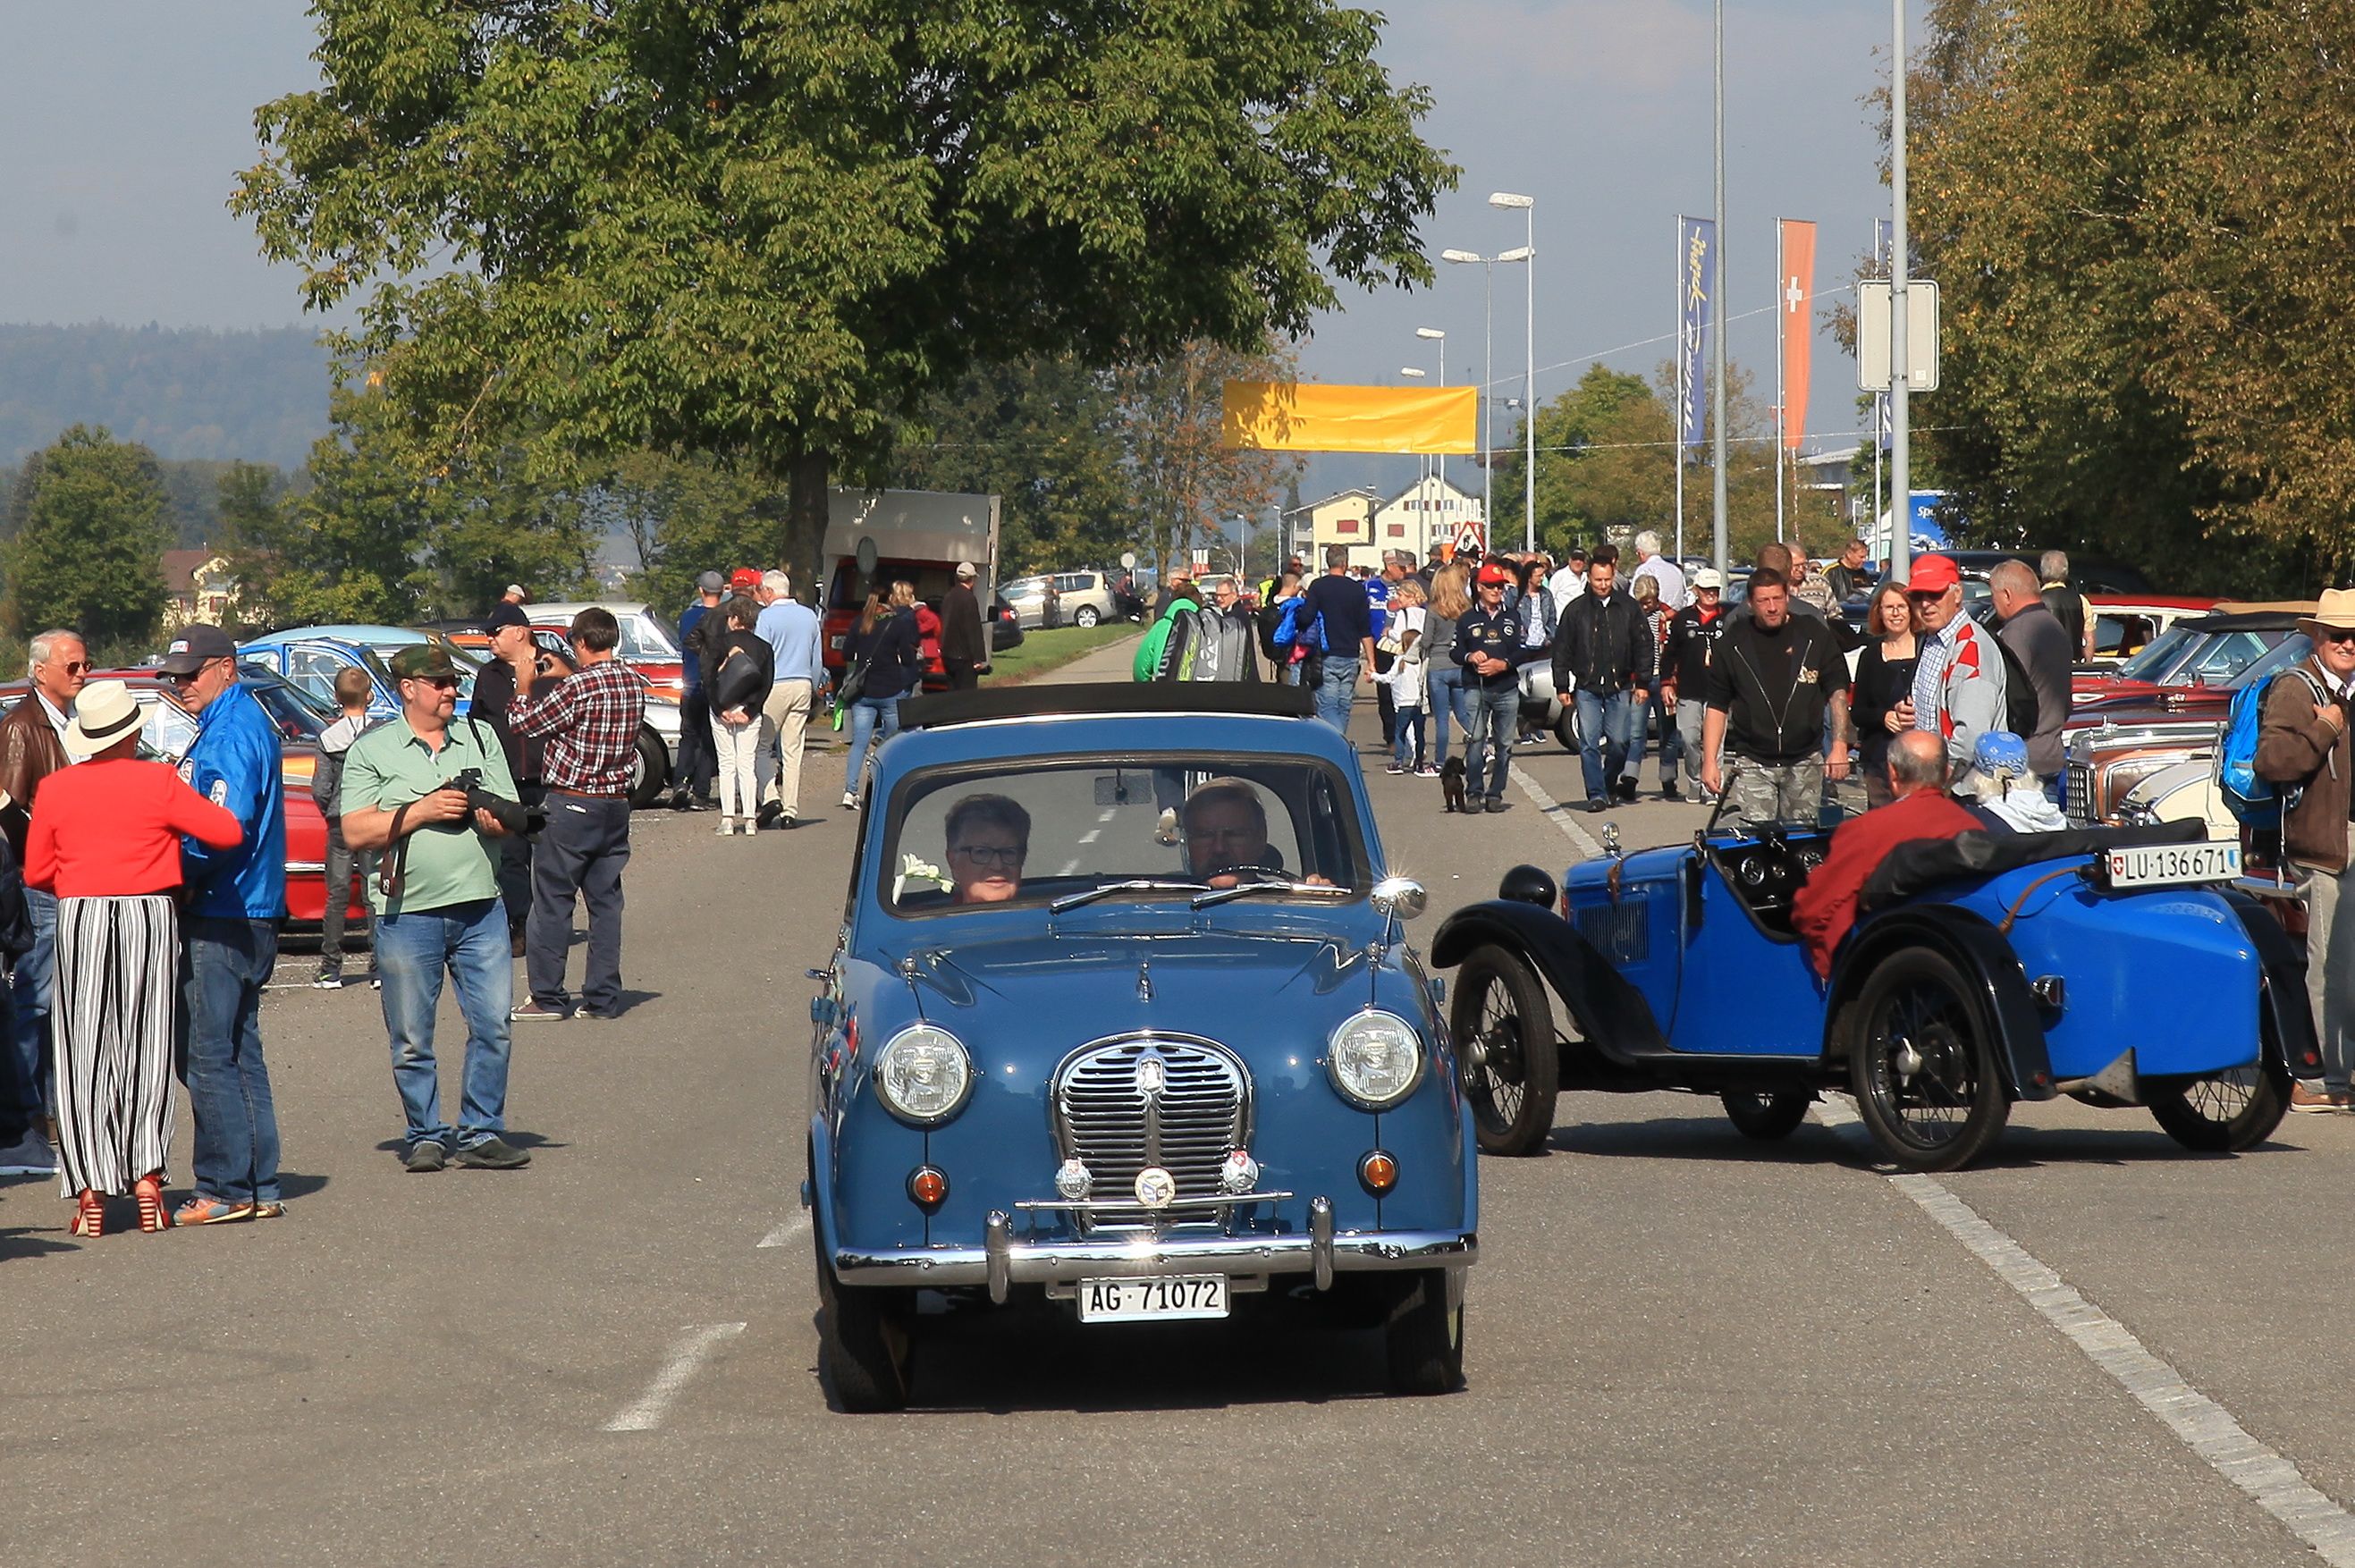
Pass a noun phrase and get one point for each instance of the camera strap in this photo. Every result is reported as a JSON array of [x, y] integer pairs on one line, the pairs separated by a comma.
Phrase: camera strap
[[395, 859]]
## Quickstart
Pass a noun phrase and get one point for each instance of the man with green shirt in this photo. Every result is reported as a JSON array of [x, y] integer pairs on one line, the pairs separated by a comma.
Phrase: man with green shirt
[[436, 898]]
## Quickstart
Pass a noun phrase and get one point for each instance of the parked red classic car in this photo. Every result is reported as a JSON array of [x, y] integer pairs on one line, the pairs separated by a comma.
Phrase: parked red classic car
[[169, 732], [2186, 668]]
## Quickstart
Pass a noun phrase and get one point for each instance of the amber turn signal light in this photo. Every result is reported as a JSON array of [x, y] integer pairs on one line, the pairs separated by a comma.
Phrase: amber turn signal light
[[928, 1187], [1379, 1171]]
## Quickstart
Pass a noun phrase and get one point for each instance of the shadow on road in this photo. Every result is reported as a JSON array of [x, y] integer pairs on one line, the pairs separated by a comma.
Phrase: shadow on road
[[24, 1241]]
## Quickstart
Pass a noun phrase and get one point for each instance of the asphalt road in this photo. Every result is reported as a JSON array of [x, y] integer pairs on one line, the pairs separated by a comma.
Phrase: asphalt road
[[1683, 1348]]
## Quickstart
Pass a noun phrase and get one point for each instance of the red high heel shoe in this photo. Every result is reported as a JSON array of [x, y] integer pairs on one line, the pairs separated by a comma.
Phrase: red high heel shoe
[[152, 1215], [89, 1214]]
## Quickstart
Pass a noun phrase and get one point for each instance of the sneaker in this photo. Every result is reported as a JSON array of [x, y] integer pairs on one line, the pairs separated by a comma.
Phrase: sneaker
[[536, 1011], [1393, 768], [1426, 772], [2305, 1097], [1671, 791], [375, 981], [849, 801], [270, 1210], [591, 1014], [769, 815], [1595, 807], [1165, 829], [425, 1157], [203, 1210], [492, 1154], [1498, 803], [679, 800], [727, 828], [789, 822], [329, 978], [28, 1156]]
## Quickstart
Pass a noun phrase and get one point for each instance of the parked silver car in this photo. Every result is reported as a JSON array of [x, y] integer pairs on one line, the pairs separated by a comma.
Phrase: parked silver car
[[1083, 598], [1032, 599]]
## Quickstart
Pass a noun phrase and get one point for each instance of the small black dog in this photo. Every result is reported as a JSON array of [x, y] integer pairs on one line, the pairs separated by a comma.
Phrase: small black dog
[[1450, 783]]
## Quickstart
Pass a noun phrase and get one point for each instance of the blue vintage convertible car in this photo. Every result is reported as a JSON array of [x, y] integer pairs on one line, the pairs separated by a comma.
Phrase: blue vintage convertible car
[[2114, 965], [1121, 1016]]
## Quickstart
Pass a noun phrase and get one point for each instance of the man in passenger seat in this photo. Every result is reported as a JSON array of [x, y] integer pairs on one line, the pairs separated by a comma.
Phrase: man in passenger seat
[[1919, 773]]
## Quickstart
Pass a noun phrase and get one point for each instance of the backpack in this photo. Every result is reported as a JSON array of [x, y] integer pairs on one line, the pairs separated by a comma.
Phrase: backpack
[[2254, 801], [1291, 632], [17, 936], [2019, 713]]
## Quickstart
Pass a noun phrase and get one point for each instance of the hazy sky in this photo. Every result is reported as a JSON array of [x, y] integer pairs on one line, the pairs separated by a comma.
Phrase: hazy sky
[[126, 121]]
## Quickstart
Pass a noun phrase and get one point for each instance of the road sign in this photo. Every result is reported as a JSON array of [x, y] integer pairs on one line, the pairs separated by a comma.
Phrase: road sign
[[1469, 536], [1872, 334]]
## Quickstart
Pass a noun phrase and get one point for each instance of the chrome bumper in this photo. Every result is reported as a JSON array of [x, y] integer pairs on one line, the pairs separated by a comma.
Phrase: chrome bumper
[[1001, 1262]]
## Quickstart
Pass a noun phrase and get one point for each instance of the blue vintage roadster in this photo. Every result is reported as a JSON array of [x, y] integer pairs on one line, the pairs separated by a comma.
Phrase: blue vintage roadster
[[1121, 1017], [2107, 964]]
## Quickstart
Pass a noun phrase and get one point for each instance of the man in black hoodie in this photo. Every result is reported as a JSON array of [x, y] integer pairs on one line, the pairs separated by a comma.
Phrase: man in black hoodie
[[1603, 646]]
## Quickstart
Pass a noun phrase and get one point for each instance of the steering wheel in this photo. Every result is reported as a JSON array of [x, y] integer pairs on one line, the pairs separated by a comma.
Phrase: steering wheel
[[1251, 872]]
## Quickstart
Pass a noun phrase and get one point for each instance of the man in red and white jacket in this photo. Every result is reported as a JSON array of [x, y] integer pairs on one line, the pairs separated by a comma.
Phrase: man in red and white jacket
[[1958, 686]]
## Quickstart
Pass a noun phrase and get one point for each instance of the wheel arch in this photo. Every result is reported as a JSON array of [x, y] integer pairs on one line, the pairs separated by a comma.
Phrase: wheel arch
[[1977, 948], [1611, 1013], [2283, 998]]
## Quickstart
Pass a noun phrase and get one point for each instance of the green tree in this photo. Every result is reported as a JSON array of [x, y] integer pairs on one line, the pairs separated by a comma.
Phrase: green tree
[[91, 529], [766, 228], [1187, 481], [498, 517], [351, 548], [686, 517]]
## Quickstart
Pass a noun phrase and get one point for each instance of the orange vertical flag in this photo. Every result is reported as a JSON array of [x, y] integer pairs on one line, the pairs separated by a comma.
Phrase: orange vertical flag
[[1796, 299]]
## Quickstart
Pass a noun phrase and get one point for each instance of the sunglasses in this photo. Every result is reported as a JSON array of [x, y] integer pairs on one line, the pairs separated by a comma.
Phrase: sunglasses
[[2339, 636], [439, 682], [76, 667]]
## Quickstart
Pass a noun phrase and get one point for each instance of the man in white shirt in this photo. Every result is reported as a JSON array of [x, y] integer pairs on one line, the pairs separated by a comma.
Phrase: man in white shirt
[[1651, 563], [1569, 581]]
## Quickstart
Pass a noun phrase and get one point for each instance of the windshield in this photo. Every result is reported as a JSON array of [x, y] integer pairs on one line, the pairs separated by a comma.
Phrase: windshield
[[2289, 651], [1179, 825], [2162, 652], [652, 633]]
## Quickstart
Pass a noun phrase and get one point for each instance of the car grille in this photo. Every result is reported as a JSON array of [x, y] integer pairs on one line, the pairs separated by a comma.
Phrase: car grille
[[2078, 792], [1103, 1120]]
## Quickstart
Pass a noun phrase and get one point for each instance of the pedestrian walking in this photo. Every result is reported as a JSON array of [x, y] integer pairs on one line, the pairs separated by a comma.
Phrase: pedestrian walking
[[494, 689], [2039, 645], [1337, 601], [1408, 623], [1649, 702], [1223, 638], [230, 935], [1451, 601], [32, 747], [1604, 648], [744, 680], [1883, 684], [1155, 659], [698, 763], [2071, 608], [589, 720], [1488, 647], [1274, 610], [965, 651], [1665, 576], [884, 649], [1958, 682], [353, 689], [1381, 591], [1569, 580], [1685, 659], [2302, 747], [409, 789], [1846, 577], [104, 842], [796, 640], [1779, 687]]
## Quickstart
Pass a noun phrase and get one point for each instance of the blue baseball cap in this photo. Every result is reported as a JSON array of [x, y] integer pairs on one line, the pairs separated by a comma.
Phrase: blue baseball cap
[[2000, 755]]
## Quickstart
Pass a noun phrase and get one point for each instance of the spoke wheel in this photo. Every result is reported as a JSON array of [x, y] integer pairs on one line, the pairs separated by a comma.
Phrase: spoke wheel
[[2223, 1113], [1503, 1029], [1923, 1066], [1767, 1115]]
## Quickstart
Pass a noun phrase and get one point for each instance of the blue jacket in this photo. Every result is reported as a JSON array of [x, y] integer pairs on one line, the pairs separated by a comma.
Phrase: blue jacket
[[235, 764]]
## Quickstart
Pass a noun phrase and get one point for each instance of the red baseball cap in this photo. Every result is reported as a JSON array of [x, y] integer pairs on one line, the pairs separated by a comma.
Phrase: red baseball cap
[[743, 577], [1493, 572], [1933, 574]]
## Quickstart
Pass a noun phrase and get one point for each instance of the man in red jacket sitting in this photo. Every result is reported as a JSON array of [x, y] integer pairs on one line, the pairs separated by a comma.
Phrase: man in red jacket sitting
[[1918, 777]]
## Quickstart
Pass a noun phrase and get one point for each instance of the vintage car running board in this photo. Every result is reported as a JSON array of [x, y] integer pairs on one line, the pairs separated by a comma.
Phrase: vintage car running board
[[2118, 1080]]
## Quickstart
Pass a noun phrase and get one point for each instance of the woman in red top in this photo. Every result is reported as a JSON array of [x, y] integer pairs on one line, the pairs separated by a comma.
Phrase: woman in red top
[[105, 838]]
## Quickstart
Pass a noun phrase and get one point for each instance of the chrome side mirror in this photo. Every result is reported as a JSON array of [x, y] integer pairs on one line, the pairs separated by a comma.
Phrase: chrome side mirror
[[1398, 898]]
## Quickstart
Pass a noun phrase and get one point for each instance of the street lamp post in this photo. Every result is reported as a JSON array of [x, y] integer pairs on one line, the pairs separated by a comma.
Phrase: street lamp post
[[1527, 207], [1724, 320], [1487, 384], [1422, 460], [1433, 335], [1901, 473]]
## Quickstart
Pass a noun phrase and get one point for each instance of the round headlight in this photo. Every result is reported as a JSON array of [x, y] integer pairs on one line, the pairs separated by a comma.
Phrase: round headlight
[[1376, 1060], [924, 1076]]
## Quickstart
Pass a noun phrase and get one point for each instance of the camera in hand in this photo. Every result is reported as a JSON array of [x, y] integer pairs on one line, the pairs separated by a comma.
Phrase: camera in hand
[[511, 814]]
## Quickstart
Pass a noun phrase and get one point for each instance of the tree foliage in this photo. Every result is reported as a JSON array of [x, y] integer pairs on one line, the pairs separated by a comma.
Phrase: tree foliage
[[684, 516], [89, 535], [1188, 483], [765, 229]]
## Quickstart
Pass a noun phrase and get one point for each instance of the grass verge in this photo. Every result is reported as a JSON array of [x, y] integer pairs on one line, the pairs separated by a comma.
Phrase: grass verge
[[1046, 650]]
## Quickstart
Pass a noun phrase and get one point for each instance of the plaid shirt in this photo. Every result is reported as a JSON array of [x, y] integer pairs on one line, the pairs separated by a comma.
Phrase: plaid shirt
[[589, 720]]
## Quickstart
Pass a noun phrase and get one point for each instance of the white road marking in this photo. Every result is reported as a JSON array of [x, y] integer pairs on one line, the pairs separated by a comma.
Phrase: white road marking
[[2204, 1426], [785, 1234], [687, 1358], [1556, 813], [1091, 835]]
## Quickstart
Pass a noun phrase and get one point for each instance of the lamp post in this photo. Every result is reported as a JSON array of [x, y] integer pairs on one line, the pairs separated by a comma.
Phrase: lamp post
[[1901, 473], [1527, 208], [1724, 320], [1433, 335], [1487, 383]]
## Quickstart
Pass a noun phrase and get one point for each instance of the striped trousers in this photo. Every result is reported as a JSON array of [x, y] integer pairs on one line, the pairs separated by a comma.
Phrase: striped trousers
[[112, 1016]]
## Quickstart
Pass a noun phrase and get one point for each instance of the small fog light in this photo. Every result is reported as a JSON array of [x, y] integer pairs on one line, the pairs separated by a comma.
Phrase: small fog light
[[1379, 1171], [1074, 1180], [928, 1187], [1239, 1174]]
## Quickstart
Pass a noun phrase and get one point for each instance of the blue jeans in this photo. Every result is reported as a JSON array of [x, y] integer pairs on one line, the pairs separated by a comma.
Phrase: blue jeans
[[873, 720], [412, 950], [1337, 689], [1406, 743], [1495, 714], [1447, 702], [28, 1086], [1602, 738], [225, 963]]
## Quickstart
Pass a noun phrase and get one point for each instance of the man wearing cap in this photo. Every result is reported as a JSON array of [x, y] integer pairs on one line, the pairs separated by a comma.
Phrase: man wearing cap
[[1684, 658], [1489, 649], [1958, 686], [698, 761], [963, 650], [514, 595], [495, 687], [230, 935], [437, 906], [1568, 582], [796, 640], [32, 747], [2302, 747]]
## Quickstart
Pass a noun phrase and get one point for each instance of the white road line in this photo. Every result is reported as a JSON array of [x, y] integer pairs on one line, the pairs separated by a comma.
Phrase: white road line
[[687, 1358], [785, 1234], [1106, 815], [2204, 1426], [1091, 835], [1556, 813]]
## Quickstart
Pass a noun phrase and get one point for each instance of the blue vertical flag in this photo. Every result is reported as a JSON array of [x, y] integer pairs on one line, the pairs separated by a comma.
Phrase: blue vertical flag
[[1695, 237]]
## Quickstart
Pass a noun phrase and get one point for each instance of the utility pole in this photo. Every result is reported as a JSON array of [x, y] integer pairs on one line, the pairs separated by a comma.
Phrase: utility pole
[[1724, 320], [1901, 478]]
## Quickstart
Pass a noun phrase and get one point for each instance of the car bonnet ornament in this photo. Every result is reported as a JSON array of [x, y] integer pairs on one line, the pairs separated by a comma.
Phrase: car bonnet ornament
[[1155, 1188], [1151, 1075]]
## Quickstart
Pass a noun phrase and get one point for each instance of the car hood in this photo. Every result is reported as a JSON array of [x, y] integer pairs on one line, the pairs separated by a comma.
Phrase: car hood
[[1204, 981]]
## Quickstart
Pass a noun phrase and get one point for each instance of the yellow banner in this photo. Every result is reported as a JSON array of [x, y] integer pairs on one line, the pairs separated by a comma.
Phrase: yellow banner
[[1293, 416]]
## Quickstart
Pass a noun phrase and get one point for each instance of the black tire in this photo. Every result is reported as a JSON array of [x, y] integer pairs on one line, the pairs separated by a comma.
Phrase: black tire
[[2223, 1113], [649, 770], [1086, 616], [865, 1342], [1565, 728], [1922, 1064], [1767, 1115], [1423, 1341], [1503, 1030]]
